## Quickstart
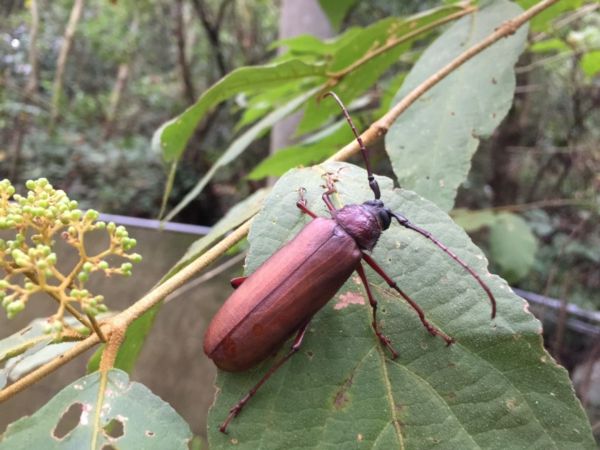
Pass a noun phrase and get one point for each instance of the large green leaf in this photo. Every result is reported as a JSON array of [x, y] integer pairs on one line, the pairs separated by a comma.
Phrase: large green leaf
[[125, 415], [512, 246], [495, 388], [432, 143], [171, 138], [240, 144]]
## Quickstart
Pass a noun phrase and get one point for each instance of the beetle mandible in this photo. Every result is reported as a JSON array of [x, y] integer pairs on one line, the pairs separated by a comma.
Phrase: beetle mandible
[[288, 289]]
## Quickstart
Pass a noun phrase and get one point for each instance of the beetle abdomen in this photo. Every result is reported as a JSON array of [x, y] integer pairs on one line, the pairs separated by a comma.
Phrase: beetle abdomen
[[282, 295]]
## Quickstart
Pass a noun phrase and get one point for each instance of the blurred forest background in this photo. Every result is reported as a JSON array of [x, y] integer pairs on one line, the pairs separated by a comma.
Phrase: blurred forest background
[[85, 83]]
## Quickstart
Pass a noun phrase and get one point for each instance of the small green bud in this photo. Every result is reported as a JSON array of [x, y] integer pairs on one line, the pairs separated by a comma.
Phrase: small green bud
[[103, 265], [129, 243], [43, 182], [4, 284], [83, 276], [15, 307], [87, 267], [57, 326], [136, 258], [100, 225], [75, 214], [91, 215], [126, 267], [102, 308], [51, 258], [90, 310], [30, 184], [121, 232], [6, 301]]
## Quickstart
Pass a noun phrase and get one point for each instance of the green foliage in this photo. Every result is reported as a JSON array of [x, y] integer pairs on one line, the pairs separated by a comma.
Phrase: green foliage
[[432, 143], [104, 412], [241, 144], [489, 390], [170, 139]]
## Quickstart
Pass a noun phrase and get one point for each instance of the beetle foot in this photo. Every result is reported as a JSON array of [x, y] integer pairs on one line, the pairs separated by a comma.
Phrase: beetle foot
[[385, 341]]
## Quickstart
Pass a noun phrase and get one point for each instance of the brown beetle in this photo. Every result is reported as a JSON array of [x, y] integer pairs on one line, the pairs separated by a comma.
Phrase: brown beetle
[[288, 289]]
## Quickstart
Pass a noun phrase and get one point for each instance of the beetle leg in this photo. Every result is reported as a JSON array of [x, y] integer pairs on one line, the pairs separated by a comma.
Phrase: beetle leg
[[326, 195], [434, 331], [237, 282], [301, 204], [382, 338], [233, 412], [411, 226]]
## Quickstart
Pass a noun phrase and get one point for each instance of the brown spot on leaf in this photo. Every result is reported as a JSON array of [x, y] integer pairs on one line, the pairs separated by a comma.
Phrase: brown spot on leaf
[[494, 81], [341, 398], [349, 298]]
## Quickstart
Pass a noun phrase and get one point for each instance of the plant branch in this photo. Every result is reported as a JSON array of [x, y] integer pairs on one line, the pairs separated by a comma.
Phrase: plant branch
[[374, 132]]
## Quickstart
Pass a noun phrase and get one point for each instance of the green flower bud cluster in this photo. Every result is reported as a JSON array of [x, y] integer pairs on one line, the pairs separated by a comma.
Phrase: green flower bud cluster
[[91, 304], [37, 218], [12, 303]]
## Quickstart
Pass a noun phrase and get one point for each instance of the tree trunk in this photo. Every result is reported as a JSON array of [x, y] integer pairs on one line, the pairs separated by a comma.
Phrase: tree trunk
[[297, 17], [61, 62]]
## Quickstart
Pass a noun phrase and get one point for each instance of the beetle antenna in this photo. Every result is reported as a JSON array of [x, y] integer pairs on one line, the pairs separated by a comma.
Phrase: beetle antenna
[[372, 182], [408, 224]]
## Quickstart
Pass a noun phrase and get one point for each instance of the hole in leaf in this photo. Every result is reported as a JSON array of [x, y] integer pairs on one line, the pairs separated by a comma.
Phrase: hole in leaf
[[68, 421], [149, 433], [114, 429]]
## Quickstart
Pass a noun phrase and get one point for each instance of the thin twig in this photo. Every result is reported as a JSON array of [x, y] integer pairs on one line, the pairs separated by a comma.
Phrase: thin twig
[[550, 203], [96, 327]]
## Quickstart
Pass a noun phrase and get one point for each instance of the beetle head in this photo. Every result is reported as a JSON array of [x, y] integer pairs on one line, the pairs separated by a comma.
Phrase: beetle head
[[378, 209]]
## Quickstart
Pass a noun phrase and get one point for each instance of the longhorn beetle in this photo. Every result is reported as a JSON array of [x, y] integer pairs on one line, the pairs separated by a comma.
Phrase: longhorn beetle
[[288, 289]]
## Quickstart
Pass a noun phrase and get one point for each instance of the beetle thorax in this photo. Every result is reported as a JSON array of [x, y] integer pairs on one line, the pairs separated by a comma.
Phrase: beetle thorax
[[363, 222]]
